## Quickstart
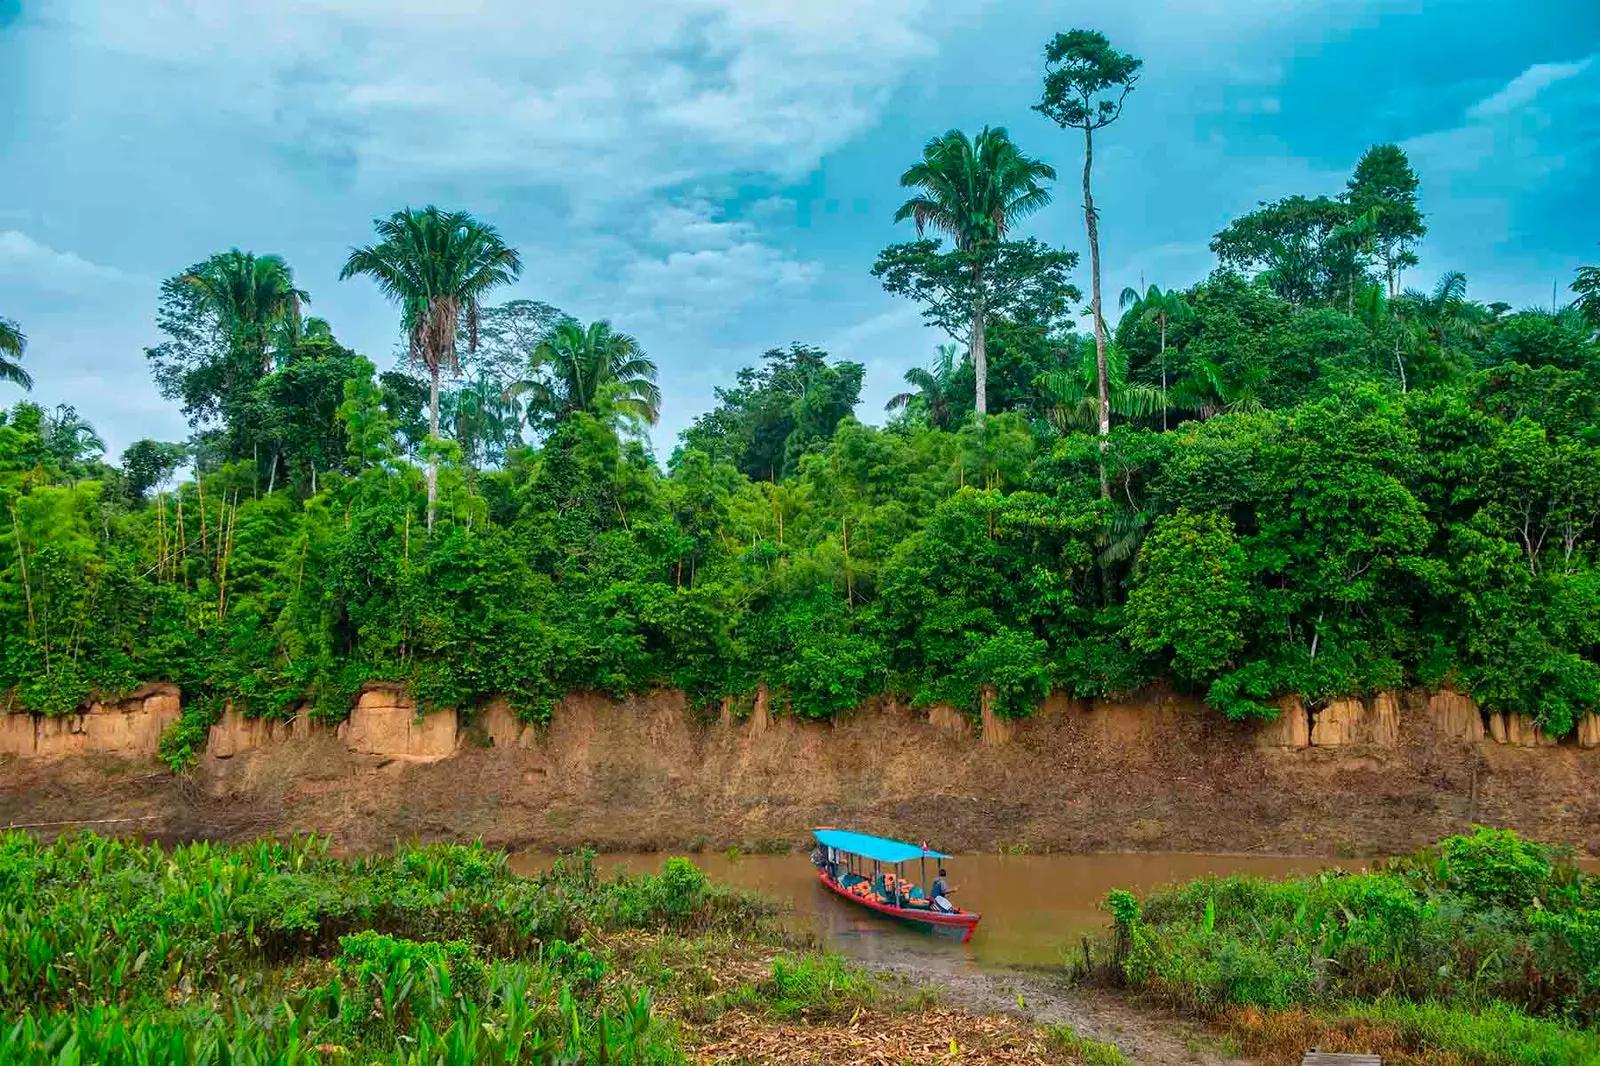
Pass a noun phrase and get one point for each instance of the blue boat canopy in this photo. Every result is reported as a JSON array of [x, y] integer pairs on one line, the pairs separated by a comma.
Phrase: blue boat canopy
[[880, 849]]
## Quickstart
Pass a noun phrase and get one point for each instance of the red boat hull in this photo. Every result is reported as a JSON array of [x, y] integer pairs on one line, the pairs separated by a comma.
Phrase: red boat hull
[[964, 921]]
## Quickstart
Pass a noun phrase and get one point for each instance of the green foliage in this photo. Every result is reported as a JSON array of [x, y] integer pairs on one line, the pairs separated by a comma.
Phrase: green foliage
[[122, 952], [1191, 595], [1482, 923], [1314, 484]]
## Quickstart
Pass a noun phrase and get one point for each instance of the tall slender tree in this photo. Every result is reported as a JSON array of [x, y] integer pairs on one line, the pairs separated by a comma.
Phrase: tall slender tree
[[12, 344], [255, 302], [1162, 308], [1086, 83], [973, 191], [436, 265]]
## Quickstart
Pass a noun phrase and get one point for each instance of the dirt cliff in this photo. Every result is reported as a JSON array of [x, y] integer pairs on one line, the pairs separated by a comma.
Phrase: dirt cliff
[[1157, 772]]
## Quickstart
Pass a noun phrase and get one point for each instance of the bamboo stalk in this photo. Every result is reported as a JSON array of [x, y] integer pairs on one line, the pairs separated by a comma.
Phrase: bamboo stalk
[[22, 561], [226, 541], [200, 485]]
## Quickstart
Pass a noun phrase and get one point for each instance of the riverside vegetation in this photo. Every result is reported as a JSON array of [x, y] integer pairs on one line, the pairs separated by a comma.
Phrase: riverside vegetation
[[1483, 949], [123, 954], [1291, 476]]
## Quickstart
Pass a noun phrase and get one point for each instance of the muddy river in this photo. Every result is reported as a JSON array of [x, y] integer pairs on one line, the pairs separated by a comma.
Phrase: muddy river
[[1035, 907]]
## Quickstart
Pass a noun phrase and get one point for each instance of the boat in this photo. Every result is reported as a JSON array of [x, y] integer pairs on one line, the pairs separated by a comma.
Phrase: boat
[[870, 872]]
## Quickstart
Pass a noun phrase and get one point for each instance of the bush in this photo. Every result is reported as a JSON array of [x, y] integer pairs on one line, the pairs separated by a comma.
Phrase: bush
[[1479, 920]]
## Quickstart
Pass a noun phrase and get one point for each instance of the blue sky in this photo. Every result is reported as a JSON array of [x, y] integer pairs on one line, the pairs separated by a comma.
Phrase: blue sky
[[716, 176]]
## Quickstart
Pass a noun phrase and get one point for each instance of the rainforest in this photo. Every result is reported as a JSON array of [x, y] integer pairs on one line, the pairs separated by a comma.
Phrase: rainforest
[[1299, 474]]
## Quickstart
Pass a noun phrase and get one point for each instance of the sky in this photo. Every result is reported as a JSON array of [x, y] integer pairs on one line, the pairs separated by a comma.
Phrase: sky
[[717, 176]]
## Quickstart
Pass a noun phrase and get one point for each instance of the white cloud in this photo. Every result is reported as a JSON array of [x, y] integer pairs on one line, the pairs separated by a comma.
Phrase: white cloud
[[26, 263], [604, 100], [1525, 87]]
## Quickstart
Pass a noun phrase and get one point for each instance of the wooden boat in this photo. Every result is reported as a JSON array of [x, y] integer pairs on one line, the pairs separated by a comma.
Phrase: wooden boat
[[870, 871]]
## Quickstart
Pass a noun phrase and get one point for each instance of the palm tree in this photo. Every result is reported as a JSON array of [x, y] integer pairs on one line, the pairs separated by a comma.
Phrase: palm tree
[[1587, 285], [1442, 317], [436, 265], [579, 363], [12, 344], [1162, 308], [972, 191], [484, 418], [934, 388], [1072, 394], [254, 299], [68, 437]]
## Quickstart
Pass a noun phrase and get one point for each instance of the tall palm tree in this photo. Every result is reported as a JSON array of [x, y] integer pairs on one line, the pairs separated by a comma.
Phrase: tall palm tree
[[1072, 393], [12, 344], [436, 265], [1163, 308], [934, 386], [972, 191], [577, 362], [255, 301]]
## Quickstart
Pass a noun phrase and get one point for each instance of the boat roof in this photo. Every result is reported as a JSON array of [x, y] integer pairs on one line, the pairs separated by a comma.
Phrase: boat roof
[[882, 849]]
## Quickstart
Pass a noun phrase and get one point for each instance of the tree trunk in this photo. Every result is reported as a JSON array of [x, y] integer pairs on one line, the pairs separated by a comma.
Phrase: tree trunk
[[980, 357], [433, 437], [1163, 372], [1094, 304]]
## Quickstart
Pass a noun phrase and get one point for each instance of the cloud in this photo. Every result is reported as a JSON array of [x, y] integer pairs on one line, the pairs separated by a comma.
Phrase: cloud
[[603, 100], [26, 263], [1521, 90]]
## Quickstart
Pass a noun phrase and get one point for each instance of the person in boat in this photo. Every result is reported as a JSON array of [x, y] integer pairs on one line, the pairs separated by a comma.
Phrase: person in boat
[[941, 887]]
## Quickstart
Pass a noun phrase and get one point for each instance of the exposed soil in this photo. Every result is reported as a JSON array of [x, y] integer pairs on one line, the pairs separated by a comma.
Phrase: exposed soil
[[1159, 773], [1039, 997]]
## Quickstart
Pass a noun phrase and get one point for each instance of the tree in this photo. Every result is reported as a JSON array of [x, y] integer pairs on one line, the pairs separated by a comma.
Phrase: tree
[[437, 265], [12, 344], [973, 191], [1071, 393], [1293, 244], [934, 386], [1442, 318], [484, 418], [508, 335], [1384, 183], [1161, 308], [254, 300], [1086, 83], [576, 363], [1192, 594], [1587, 286], [147, 464], [777, 413], [69, 438], [1023, 283]]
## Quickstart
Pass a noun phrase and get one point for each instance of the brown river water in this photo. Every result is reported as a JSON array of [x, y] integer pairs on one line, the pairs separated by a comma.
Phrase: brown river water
[[1035, 907]]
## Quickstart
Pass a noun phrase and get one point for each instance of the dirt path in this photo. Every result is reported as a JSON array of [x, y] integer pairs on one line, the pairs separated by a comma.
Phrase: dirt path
[[1145, 1036]]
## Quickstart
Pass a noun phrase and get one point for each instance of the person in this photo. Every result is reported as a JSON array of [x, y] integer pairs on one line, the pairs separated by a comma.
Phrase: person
[[941, 886]]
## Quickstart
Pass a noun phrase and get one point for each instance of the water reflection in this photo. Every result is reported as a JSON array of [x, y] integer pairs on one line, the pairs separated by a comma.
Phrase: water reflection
[[1035, 907]]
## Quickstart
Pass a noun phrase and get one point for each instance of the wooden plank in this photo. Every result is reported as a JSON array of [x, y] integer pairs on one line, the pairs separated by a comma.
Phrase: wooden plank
[[1328, 1058]]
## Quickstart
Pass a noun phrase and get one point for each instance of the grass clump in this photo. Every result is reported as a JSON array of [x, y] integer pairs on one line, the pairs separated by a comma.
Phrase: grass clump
[[1086, 1049], [1485, 947]]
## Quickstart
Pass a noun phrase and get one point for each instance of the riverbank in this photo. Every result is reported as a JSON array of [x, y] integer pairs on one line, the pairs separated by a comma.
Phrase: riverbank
[[1156, 772]]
